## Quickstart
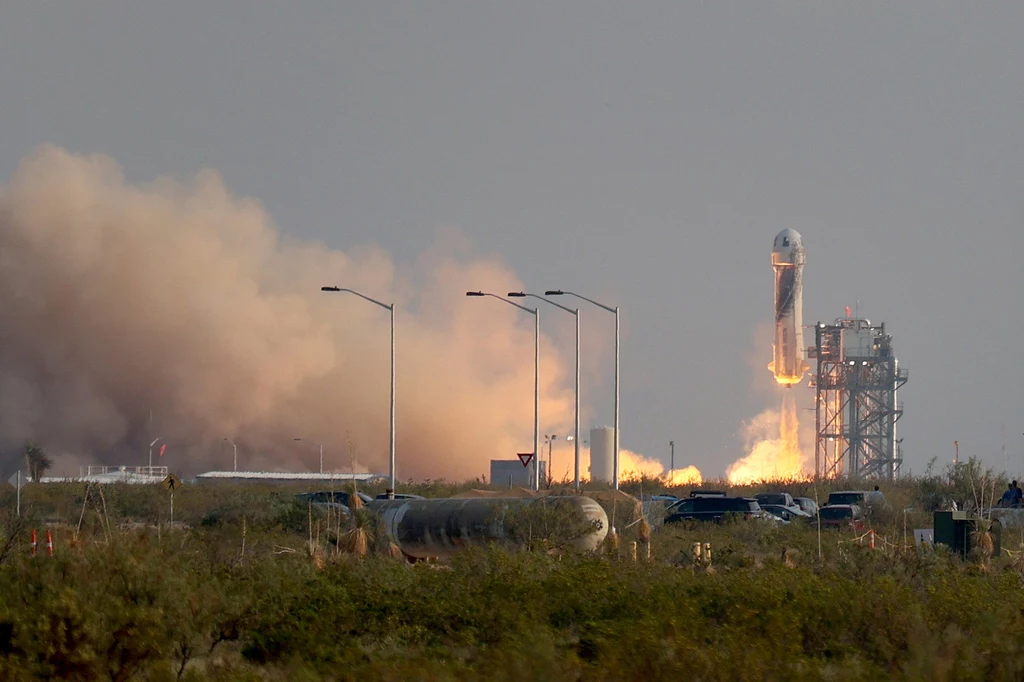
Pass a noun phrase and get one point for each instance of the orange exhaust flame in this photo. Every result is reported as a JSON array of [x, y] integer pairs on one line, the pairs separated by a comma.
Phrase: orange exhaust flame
[[771, 458], [632, 465], [688, 476]]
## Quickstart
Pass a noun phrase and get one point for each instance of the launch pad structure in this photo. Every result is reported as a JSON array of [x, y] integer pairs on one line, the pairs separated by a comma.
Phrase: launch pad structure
[[856, 405]]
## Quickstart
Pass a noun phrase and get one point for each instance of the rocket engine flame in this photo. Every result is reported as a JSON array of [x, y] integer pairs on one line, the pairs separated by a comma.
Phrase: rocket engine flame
[[771, 457]]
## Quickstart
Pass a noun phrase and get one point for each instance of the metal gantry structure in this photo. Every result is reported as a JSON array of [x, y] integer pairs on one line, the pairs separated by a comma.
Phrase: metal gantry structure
[[856, 404]]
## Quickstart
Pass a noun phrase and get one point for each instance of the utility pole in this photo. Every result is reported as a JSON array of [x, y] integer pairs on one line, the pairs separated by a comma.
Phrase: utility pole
[[956, 453], [672, 461]]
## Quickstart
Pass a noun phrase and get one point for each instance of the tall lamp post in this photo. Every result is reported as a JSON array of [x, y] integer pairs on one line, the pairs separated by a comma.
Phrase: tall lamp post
[[390, 307], [150, 472], [576, 313], [321, 446], [536, 379], [234, 458], [549, 440], [615, 311]]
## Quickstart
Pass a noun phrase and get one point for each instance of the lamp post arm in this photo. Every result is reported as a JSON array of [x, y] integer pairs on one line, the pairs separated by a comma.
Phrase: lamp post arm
[[588, 300], [520, 294], [532, 311], [386, 306]]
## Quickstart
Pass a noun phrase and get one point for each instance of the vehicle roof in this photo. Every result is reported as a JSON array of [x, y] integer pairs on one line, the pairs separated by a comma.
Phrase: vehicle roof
[[847, 492], [707, 493], [712, 497]]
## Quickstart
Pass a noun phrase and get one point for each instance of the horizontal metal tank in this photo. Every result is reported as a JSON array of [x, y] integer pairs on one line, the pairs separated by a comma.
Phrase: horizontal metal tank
[[437, 528]]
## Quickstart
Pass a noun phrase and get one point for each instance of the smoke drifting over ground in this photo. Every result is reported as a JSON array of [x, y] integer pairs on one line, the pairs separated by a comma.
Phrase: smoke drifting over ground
[[118, 300]]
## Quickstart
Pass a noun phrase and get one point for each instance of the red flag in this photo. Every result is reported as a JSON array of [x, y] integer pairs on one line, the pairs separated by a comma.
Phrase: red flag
[[847, 311], [162, 448]]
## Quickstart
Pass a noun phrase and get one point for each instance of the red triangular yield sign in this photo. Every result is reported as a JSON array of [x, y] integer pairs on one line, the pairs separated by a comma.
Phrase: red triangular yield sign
[[525, 458]]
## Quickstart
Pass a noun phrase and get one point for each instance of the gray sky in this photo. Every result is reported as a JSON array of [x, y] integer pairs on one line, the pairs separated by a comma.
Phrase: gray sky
[[644, 154]]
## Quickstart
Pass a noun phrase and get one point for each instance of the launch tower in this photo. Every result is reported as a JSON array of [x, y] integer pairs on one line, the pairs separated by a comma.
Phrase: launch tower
[[856, 408]]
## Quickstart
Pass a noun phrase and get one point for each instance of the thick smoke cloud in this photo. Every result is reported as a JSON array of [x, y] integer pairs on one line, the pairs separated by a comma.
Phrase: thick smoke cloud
[[118, 301]]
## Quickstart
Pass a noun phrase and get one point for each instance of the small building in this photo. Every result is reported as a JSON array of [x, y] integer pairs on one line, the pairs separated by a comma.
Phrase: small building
[[511, 472], [288, 477], [139, 475]]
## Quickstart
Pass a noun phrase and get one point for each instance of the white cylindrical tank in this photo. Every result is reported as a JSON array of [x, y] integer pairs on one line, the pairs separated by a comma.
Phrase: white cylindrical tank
[[602, 454]]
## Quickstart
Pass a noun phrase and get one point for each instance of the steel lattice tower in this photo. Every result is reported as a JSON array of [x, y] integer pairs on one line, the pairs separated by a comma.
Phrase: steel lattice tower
[[856, 406]]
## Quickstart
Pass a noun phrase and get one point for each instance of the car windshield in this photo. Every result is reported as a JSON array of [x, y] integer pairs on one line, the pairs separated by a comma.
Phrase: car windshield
[[772, 498], [827, 513]]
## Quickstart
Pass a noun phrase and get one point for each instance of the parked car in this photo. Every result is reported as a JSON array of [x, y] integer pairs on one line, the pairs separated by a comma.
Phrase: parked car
[[781, 499], [845, 497], [786, 513], [713, 509], [841, 516], [807, 504]]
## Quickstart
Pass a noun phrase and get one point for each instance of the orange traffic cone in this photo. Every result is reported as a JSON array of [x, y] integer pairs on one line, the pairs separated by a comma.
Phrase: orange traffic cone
[[49, 542], [34, 542]]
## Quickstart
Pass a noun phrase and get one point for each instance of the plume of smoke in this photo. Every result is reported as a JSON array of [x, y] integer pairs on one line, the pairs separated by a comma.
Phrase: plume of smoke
[[773, 445], [118, 300]]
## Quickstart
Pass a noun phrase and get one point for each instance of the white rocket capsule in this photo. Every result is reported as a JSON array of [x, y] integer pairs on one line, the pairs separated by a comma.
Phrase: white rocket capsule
[[788, 362]]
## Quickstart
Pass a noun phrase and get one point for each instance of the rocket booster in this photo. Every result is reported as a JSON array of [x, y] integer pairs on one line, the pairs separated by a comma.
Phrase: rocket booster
[[788, 363]]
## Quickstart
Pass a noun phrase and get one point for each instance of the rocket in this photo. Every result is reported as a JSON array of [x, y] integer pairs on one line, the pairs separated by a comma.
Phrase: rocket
[[788, 362]]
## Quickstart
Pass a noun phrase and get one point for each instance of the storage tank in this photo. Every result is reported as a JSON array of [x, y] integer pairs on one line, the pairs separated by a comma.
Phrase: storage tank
[[434, 528], [602, 454]]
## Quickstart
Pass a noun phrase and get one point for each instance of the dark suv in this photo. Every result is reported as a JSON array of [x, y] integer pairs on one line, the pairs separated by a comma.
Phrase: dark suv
[[712, 509]]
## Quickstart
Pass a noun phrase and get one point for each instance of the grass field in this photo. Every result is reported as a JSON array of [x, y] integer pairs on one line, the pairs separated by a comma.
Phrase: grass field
[[250, 584]]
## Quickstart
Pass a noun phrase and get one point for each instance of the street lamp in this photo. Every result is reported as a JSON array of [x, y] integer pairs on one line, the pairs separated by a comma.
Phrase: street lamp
[[321, 446], [150, 472], [536, 379], [576, 313], [390, 307], [549, 440], [234, 461], [615, 311]]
